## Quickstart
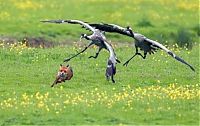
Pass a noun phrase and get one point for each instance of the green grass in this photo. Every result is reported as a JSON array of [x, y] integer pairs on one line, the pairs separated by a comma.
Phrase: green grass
[[150, 91], [157, 90]]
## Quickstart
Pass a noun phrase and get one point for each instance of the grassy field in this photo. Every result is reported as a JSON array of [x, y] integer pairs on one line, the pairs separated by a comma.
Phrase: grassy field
[[157, 90]]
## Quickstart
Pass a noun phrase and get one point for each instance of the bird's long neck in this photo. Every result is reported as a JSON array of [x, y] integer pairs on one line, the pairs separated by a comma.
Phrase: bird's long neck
[[110, 49]]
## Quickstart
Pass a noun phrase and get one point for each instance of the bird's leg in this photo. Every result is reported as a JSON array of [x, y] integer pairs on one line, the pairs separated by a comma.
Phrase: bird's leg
[[126, 63], [136, 53], [68, 59], [112, 78], [145, 53], [97, 53]]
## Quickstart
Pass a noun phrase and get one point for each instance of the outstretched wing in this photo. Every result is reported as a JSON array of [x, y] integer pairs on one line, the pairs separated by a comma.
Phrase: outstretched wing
[[111, 28], [86, 25], [156, 44]]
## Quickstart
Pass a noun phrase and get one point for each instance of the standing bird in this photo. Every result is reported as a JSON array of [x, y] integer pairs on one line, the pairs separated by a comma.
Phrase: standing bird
[[97, 38], [142, 42]]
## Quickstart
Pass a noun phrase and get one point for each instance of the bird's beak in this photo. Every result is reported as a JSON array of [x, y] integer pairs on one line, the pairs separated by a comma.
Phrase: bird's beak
[[118, 61]]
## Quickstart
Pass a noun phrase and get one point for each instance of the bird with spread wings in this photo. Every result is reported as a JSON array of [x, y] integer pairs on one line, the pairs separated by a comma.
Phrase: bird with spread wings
[[97, 37], [141, 42]]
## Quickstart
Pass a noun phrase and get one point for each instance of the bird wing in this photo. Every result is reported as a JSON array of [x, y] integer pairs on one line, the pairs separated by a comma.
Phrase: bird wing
[[86, 25], [156, 44], [110, 28]]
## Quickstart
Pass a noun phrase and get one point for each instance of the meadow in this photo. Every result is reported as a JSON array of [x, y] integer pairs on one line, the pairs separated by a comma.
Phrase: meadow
[[158, 90]]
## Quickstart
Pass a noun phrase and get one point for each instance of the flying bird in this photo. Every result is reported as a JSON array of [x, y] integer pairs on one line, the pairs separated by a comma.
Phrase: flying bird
[[141, 42], [97, 37]]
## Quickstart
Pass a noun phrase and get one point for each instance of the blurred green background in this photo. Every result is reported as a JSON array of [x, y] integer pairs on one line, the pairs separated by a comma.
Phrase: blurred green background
[[168, 21]]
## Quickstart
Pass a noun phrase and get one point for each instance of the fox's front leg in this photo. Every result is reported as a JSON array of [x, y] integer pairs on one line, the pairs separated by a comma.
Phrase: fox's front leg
[[55, 82]]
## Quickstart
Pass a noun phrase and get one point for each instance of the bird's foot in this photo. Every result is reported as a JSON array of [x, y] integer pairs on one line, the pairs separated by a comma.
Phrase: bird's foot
[[141, 55], [113, 81], [92, 57], [125, 64]]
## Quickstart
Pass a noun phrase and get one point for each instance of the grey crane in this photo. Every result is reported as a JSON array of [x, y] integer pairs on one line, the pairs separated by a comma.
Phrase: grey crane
[[97, 38], [142, 42], [111, 65]]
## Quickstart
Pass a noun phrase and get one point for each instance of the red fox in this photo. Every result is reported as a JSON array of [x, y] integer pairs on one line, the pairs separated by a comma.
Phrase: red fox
[[64, 73]]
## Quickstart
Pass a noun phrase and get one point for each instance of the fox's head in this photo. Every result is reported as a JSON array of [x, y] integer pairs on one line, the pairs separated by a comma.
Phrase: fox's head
[[62, 73], [63, 68]]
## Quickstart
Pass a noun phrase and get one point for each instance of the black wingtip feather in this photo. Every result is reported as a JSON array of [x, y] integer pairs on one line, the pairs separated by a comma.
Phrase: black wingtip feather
[[181, 60], [192, 68], [53, 21], [44, 21]]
